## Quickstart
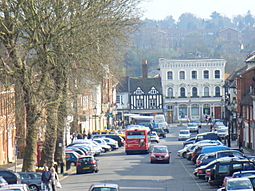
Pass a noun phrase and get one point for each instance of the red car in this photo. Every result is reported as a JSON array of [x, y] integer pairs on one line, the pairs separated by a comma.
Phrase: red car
[[160, 154]]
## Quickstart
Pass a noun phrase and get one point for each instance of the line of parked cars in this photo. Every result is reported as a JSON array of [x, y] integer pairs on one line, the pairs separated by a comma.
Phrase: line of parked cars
[[82, 153], [218, 164], [20, 181]]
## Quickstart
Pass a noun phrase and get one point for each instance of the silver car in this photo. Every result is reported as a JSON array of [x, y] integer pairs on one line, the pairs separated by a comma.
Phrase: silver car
[[104, 187]]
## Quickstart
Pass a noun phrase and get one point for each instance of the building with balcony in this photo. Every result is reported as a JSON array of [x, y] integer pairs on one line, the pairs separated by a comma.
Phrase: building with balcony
[[192, 89]]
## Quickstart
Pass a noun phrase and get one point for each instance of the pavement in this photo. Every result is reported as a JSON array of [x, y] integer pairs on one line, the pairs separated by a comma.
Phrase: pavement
[[17, 167]]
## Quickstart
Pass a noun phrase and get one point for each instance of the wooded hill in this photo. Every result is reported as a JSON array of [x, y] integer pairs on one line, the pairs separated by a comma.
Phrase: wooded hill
[[191, 37]]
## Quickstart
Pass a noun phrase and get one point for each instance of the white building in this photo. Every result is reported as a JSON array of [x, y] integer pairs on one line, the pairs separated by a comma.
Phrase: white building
[[192, 89]]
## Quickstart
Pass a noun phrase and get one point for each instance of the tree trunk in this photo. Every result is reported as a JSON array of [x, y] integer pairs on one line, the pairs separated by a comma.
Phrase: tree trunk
[[61, 136], [20, 119], [29, 160], [50, 135]]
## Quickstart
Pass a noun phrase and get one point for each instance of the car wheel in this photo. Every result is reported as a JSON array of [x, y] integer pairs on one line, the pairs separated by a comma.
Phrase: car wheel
[[167, 162], [33, 188], [96, 171], [184, 155]]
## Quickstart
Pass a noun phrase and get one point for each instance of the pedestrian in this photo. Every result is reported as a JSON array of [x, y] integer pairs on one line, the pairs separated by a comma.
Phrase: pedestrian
[[54, 179], [89, 135], [46, 178]]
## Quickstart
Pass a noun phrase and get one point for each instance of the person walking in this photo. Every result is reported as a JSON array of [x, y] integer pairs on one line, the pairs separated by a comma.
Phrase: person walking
[[46, 178], [54, 179]]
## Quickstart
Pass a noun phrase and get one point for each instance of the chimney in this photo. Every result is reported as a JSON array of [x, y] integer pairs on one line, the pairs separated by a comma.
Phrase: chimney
[[145, 69]]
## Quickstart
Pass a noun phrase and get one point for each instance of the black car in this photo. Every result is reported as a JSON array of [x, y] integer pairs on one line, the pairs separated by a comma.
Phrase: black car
[[227, 168], [161, 133], [10, 176], [86, 164], [207, 136], [32, 179]]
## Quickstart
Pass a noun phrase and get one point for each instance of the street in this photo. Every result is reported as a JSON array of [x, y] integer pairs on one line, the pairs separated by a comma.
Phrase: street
[[134, 172]]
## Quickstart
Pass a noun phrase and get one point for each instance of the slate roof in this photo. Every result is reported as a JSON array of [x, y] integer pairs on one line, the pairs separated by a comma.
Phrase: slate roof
[[123, 85], [145, 84]]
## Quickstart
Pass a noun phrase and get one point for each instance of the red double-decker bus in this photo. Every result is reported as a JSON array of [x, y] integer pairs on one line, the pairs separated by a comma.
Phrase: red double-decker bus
[[137, 139]]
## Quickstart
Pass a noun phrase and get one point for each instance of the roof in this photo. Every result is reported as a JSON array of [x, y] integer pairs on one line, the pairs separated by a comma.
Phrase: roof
[[145, 84], [123, 85]]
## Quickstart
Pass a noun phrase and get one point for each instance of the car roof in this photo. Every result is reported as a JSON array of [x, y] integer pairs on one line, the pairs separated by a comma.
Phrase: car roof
[[159, 146], [98, 185], [237, 179], [15, 186]]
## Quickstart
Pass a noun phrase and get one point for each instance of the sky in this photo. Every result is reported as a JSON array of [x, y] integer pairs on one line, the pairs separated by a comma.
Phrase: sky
[[159, 9]]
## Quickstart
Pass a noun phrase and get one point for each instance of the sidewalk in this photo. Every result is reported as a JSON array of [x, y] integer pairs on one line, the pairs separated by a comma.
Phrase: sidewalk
[[18, 168]]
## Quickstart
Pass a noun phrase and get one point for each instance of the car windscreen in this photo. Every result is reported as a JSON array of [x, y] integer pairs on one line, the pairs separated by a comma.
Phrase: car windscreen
[[160, 150], [86, 159], [238, 185], [104, 189], [184, 132]]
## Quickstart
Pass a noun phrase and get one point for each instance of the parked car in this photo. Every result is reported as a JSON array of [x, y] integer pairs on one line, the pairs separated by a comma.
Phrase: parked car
[[71, 157], [3, 182], [223, 169], [238, 184], [116, 138], [243, 173], [193, 127], [104, 187], [103, 144], [184, 135], [87, 164], [112, 143], [159, 153], [182, 152], [10, 176], [189, 141], [207, 136], [208, 148], [32, 179], [15, 187], [201, 143], [212, 156], [161, 133], [240, 174], [154, 137], [200, 172]]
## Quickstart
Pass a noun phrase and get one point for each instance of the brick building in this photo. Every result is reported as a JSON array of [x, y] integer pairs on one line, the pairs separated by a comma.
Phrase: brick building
[[7, 124]]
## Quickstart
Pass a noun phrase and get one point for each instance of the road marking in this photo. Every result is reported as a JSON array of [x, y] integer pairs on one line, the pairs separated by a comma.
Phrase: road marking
[[192, 176], [141, 188]]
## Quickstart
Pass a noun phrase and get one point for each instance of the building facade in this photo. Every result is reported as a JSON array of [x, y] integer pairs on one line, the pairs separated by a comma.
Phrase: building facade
[[192, 89], [7, 125], [145, 96]]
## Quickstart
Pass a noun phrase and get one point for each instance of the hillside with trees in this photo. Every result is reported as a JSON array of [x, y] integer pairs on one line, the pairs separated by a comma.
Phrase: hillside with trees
[[191, 37]]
